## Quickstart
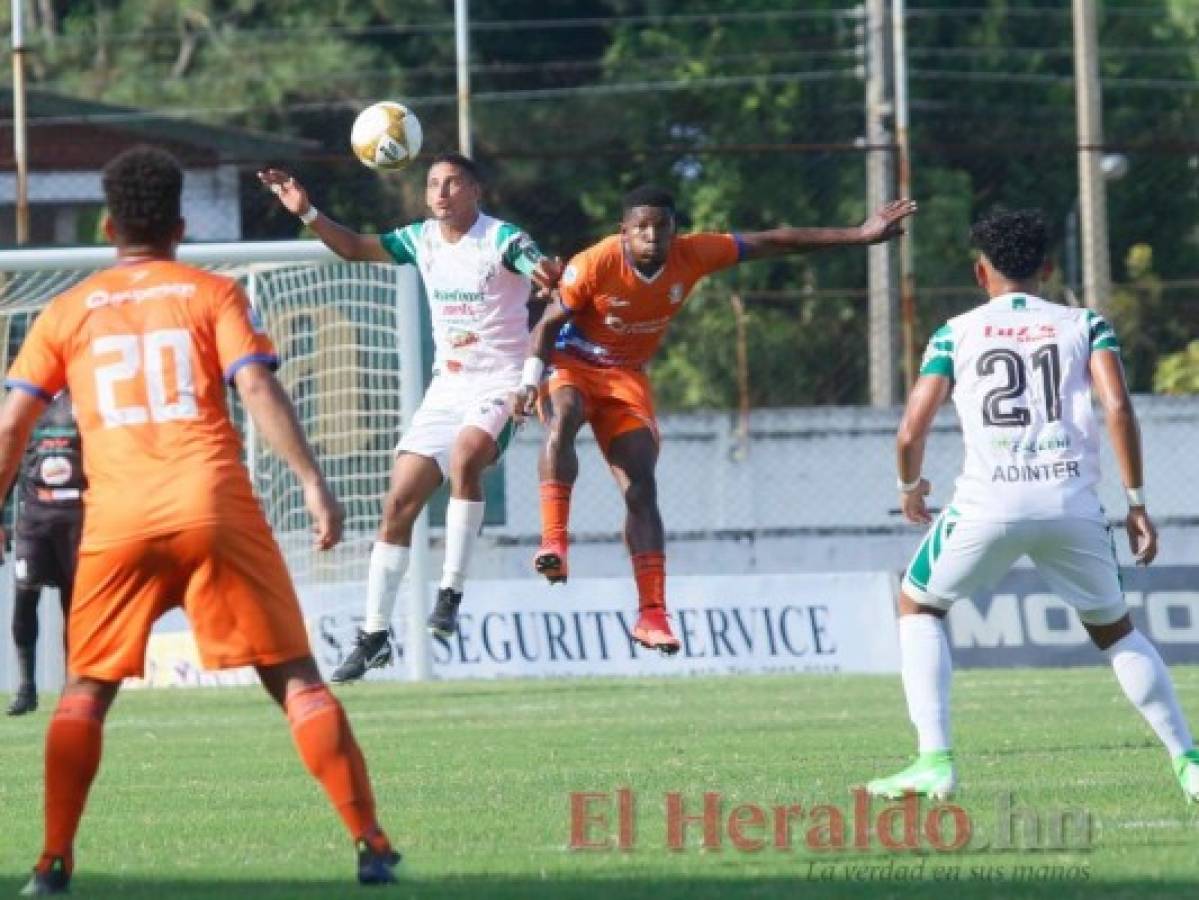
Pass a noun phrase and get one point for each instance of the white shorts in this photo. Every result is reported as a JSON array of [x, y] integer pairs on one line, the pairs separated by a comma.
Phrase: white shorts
[[1075, 556], [461, 400]]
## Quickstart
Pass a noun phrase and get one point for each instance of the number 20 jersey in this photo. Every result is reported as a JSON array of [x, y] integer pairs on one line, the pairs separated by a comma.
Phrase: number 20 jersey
[[146, 349], [1022, 388]]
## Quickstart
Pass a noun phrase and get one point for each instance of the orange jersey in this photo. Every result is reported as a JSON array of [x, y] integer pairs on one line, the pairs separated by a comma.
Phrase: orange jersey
[[620, 316], [146, 349]]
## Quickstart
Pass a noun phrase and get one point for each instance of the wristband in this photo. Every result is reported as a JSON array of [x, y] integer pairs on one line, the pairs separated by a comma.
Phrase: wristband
[[906, 487], [1136, 496], [309, 215], [530, 375]]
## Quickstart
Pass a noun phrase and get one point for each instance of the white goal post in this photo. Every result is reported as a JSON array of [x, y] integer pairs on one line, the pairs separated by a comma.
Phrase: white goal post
[[349, 340]]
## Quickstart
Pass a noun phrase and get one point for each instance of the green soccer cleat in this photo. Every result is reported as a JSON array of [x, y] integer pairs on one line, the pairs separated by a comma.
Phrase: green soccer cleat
[[1186, 767], [932, 775]]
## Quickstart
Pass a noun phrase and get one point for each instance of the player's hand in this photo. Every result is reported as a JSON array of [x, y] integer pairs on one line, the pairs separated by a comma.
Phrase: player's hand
[[887, 222], [546, 275], [524, 403], [289, 191], [912, 505], [1142, 535], [328, 517]]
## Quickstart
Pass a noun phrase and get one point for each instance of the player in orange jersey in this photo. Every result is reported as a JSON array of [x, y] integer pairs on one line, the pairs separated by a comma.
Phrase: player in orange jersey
[[146, 348], [616, 300]]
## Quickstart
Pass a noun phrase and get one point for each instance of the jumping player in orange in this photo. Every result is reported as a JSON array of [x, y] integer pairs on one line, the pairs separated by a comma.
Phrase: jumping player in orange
[[146, 348], [616, 300]]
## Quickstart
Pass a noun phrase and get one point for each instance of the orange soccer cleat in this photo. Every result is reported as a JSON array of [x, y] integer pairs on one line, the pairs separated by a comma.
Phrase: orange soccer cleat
[[653, 631], [550, 561]]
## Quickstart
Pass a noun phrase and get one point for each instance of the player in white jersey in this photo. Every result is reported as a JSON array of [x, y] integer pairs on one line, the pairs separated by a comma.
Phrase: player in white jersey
[[1021, 371], [477, 272]]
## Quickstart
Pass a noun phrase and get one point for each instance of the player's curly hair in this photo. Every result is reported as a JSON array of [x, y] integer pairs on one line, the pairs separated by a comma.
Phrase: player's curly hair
[[648, 195], [1015, 241], [142, 187]]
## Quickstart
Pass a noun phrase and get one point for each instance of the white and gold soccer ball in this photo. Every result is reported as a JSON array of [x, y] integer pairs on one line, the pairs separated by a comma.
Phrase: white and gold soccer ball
[[386, 135]]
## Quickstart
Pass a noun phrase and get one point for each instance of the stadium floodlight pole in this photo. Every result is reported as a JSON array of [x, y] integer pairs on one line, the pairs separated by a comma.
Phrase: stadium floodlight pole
[[462, 46], [19, 134], [1092, 193], [884, 306], [907, 269]]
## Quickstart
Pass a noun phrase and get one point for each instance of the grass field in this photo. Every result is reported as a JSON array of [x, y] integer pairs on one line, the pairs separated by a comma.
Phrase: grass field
[[201, 795]]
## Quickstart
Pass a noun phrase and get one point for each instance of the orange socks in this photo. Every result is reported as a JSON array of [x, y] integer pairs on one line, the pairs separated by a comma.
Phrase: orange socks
[[649, 570], [73, 743], [327, 746], [555, 512]]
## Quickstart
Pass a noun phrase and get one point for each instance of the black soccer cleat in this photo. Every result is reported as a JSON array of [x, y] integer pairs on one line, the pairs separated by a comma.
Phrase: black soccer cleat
[[443, 621], [371, 651], [376, 867], [54, 879], [23, 701]]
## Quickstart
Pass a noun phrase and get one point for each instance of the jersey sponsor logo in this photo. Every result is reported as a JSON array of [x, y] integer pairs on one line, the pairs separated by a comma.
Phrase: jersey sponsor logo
[[650, 326], [56, 470], [1022, 333], [1056, 471], [617, 301], [457, 338], [1042, 444], [571, 275], [176, 290], [677, 292], [457, 295]]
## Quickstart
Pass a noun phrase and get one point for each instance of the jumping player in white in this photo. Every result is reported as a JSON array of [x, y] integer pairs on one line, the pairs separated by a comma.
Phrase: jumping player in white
[[1021, 371], [477, 272]]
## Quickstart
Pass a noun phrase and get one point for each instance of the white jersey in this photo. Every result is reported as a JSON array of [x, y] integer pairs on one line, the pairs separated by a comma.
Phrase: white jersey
[[478, 290], [1022, 388]]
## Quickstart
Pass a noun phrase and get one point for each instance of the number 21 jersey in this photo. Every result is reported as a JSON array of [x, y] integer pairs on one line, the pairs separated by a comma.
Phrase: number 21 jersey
[[1022, 389], [146, 349]]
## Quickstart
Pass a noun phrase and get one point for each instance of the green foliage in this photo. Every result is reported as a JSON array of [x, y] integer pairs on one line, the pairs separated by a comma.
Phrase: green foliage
[[1178, 373]]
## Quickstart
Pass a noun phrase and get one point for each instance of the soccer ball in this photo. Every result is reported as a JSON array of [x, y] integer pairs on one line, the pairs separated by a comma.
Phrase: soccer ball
[[386, 135]]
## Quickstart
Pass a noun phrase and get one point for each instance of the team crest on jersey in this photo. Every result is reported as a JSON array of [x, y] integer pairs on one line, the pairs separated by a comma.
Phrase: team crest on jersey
[[676, 294], [570, 276], [56, 470]]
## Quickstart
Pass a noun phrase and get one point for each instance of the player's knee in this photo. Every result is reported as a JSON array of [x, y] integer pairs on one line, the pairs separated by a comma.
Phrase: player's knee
[[642, 495]]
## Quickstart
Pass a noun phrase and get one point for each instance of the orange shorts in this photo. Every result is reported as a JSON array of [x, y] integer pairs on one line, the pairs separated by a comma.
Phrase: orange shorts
[[230, 579], [616, 400]]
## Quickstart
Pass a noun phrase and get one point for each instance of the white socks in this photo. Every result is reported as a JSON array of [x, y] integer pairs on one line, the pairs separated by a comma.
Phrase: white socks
[[927, 671], [463, 521], [1146, 683], [383, 577]]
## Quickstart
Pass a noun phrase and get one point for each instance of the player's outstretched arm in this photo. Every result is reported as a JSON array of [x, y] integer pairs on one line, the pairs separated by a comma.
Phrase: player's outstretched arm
[[926, 398], [1107, 378], [541, 344], [275, 418], [884, 225], [347, 244]]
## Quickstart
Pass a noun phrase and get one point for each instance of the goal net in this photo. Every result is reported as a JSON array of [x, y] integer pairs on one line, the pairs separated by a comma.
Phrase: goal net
[[348, 336]]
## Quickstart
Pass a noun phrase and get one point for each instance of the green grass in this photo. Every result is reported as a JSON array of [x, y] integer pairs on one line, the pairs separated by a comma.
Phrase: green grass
[[200, 793]]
